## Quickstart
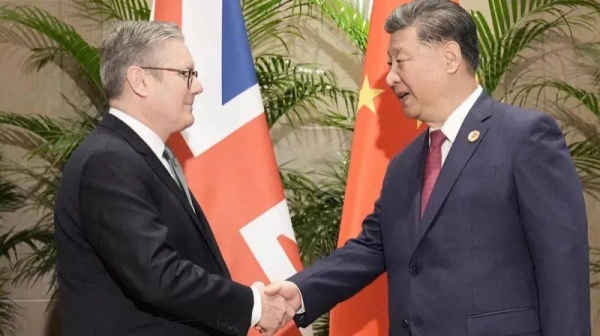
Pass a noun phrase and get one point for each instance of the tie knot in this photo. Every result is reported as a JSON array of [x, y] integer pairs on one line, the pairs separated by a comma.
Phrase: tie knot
[[437, 139], [168, 154]]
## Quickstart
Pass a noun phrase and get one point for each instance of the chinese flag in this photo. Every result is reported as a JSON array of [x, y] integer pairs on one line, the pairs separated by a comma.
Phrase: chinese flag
[[381, 131]]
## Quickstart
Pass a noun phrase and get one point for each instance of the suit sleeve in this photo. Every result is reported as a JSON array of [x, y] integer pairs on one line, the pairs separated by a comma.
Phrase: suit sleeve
[[121, 222], [552, 211], [344, 273]]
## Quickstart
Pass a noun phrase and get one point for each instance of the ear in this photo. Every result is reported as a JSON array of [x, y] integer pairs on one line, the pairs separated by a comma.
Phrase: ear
[[136, 79], [452, 57]]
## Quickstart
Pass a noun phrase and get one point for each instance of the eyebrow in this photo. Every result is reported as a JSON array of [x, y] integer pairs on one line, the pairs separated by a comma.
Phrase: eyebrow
[[397, 49]]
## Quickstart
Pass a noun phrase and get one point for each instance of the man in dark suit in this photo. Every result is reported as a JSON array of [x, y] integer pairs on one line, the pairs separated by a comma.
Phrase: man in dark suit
[[136, 256], [481, 223]]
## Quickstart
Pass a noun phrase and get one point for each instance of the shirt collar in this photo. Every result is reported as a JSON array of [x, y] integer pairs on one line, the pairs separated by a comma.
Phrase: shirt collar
[[452, 125], [149, 136]]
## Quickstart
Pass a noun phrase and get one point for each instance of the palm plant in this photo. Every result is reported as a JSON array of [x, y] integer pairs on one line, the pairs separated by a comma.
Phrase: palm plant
[[289, 89], [510, 42], [10, 199], [348, 19], [8, 309], [315, 198]]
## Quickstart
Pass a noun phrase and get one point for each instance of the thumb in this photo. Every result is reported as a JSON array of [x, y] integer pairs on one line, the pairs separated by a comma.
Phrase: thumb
[[274, 288]]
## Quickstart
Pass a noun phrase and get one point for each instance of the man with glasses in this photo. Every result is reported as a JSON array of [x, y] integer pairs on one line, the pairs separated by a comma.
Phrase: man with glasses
[[136, 256]]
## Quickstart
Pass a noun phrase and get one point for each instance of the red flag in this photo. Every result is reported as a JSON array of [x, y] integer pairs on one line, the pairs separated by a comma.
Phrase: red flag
[[381, 131], [227, 154]]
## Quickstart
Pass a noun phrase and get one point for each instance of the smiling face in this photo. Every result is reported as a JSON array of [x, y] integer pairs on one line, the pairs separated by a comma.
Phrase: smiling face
[[417, 73]]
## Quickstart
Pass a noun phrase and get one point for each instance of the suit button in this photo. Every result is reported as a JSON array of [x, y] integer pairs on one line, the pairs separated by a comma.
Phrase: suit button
[[405, 324], [413, 269]]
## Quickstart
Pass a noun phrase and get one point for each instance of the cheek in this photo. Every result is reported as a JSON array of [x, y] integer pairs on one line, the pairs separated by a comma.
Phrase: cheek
[[422, 79]]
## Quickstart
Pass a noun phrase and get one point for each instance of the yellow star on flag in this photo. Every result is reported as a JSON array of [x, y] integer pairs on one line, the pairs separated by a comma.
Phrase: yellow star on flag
[[367, 95], [419, 123]]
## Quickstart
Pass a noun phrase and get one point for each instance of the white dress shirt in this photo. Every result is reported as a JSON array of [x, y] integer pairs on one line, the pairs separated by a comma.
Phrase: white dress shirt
[[452, 125], [158, 147]]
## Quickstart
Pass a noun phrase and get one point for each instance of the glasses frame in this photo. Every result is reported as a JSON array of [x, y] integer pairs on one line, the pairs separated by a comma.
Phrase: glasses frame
[[190, 74]]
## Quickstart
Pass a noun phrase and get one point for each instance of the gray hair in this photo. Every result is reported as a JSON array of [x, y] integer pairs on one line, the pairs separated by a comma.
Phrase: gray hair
[[131, 43], [438, 21]]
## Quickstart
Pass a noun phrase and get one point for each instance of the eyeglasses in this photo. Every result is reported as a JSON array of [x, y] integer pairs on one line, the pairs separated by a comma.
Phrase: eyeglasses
[[189, 74]]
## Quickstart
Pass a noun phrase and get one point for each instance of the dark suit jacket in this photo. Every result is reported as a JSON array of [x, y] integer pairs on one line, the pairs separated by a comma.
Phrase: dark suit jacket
[[500, 250], [133, 258]]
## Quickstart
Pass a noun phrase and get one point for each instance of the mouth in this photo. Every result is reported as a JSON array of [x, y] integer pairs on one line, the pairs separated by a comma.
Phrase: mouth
[[403, 95]]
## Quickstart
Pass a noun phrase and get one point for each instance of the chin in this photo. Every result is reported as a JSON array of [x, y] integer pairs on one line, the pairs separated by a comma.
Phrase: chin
[[189, 118], [188, 123], [411, 114]]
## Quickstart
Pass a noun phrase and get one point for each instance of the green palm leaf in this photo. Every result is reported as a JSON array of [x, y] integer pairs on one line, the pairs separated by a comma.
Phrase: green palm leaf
[[518, 26], [289, 89], [44, 137], [588, 58], [8, 308], [347, 18], [564, 91], [595, 265], [571, 122], [10, 197], [102, 11], [586, 156], [315, 209], [272, 20], [47, 38], [41, 258], [343, 120]]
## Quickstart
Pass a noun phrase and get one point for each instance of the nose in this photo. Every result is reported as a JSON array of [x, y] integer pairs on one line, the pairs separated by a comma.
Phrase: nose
[[196, 87], [392, 78]]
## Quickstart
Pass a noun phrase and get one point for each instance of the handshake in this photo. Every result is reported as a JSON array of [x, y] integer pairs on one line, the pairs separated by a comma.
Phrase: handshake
[[280, 301]]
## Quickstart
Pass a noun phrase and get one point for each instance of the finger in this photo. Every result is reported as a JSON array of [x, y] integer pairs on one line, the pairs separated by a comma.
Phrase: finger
[[290, 311], [285, 321]]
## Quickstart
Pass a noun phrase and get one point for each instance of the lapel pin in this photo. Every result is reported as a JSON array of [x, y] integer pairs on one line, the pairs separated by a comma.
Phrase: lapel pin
[[473, 136]]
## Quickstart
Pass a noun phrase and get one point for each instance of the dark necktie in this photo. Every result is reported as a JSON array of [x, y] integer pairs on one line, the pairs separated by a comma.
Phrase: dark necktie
[[433, 165], [179, 177]]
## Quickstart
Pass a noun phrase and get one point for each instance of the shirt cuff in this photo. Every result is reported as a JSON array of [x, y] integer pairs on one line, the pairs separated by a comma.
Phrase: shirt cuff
[[301, 310], [257, 308]]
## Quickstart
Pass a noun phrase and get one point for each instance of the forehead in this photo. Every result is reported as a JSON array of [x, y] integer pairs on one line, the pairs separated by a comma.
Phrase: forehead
[[403, 41], [174, 52]]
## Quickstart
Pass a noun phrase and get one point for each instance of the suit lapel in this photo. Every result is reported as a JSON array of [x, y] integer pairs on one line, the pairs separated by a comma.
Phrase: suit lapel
[[460, 153], [211, 237], [200, 222], [416, 187], [159, 169]]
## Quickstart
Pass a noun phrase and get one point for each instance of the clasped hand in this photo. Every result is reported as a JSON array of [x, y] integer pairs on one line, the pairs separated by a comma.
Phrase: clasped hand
[[280, 302]]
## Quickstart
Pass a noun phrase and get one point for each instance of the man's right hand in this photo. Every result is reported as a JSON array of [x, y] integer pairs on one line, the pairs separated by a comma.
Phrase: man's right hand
[[276, 312]]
